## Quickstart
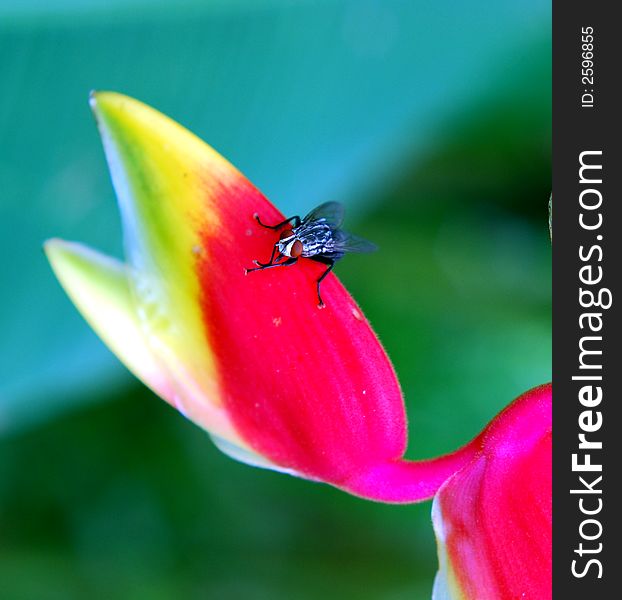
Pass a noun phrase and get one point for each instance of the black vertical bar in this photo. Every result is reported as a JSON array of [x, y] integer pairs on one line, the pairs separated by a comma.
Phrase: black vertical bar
[[587, 101]]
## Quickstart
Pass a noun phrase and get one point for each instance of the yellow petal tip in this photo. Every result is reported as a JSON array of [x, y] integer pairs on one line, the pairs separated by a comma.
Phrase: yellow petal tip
[[56, 249]]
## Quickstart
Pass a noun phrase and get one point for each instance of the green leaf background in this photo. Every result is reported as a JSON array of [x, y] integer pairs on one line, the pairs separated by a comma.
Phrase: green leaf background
[[430, 120]]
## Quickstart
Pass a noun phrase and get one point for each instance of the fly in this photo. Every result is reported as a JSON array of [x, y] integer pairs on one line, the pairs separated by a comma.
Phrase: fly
[[318, 236]]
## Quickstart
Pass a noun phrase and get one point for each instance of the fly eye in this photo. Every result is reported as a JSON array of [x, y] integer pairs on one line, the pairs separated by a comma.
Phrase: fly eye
[[296, 249], [285, 234]]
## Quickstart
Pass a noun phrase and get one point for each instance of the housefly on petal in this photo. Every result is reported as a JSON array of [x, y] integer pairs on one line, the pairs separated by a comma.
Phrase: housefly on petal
[[318, 237]]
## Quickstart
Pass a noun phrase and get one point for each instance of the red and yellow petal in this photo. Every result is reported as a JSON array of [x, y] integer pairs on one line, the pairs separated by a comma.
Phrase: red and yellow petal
[[293, 387], [100, 288], [166, 180], [310, 389], [493, 519]]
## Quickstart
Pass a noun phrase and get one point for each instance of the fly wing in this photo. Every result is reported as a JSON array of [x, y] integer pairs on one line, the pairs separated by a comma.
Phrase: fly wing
[[347, 242], [330, 212]]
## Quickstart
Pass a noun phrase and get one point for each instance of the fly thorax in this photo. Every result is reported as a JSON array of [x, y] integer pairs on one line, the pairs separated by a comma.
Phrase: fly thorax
[[316, 239]]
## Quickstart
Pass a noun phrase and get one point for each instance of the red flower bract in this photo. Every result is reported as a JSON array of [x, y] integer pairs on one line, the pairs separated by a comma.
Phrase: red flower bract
[[276, 381], [493, 518], [308, 388]]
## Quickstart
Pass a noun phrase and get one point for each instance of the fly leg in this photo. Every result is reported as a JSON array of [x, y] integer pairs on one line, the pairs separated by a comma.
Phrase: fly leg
[[285, 263], [271, 261], [331, 264], [295, 222]]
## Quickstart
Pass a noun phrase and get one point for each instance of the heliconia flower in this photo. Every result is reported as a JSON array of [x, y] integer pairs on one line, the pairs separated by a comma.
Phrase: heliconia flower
[[280, 384], [493, 518], [275, 381]]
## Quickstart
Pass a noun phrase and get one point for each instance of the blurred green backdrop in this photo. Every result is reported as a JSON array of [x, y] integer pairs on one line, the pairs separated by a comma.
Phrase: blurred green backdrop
[[430, 120]]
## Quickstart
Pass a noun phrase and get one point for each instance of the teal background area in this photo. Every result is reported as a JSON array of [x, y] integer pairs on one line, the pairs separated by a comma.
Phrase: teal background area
[[429, 120]]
